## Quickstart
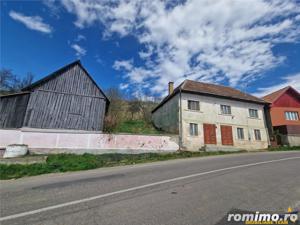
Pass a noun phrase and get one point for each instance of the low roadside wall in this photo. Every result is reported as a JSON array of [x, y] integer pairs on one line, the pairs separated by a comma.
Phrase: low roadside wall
[[291, 140], [43, 141]]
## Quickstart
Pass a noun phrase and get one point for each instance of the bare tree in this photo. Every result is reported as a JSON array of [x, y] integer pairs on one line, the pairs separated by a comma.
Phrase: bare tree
[[10, 83], [134, 107], [24, 82], [7, 80], [114, 114]]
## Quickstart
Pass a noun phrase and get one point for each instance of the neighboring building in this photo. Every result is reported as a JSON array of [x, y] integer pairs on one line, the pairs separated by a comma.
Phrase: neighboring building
[[283, 116], [213, 116], [66, 99]]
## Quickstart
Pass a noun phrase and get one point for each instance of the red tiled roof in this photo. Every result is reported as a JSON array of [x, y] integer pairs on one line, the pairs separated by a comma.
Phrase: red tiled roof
[[211, 89]]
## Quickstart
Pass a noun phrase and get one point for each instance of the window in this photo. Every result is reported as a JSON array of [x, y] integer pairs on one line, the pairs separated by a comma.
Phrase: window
[[225, 109], [253, 113], [291, 115], [193, 105], [240, 133], [257, 135], [193, 129]]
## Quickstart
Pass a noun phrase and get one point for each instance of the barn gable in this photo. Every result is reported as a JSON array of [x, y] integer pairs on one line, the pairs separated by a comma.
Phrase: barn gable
[[71, 79], [66, 99]]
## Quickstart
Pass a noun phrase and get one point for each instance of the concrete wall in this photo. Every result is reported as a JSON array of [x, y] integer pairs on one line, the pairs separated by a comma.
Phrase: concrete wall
[[55, 141], [291, 140], [166, 117], [210, 113]]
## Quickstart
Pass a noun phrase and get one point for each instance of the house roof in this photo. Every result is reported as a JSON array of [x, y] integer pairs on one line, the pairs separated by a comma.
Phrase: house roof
[[272, 97], [57, 73], [201, 88]]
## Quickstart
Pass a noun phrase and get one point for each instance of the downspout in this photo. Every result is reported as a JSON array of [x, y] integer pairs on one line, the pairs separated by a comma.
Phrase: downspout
[[266, 117], [180, 122]]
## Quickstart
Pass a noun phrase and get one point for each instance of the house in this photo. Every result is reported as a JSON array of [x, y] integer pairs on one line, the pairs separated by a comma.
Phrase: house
[[67, 99], [212, 116], [283, 116]]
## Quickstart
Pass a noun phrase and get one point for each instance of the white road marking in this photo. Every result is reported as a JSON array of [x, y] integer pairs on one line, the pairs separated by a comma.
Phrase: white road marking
[[18, 215]]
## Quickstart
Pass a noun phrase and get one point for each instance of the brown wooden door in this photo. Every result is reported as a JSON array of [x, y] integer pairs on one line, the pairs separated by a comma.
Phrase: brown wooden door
[[226, 135], [209, 131]]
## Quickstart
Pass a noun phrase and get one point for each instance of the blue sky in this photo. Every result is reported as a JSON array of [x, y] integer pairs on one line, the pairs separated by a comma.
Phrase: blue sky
[[139, 46]]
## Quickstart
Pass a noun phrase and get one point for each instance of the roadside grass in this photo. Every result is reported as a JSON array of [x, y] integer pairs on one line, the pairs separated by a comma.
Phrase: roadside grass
[[136, 127], [285, 148], [71, 162]]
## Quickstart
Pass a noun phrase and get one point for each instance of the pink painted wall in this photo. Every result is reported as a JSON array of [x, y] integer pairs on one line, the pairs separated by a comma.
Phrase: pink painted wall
[[54, 141]]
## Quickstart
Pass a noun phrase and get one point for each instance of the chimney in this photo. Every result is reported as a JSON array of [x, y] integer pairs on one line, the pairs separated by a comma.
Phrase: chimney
[[171, 87]]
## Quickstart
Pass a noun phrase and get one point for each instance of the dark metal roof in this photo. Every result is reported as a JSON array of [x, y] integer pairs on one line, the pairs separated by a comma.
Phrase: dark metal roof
[[14, 94], [57, 73], [195, 87]]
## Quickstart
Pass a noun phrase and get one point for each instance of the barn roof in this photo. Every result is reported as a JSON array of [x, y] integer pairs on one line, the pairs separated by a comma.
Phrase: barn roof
[[221, 91], [14, 94], [272, 97], [57, 73]]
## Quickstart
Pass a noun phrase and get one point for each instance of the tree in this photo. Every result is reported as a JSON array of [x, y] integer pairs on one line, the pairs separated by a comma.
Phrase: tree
[[24, 82], [10, 83], [134, 107], [114, 114], [7, 80]]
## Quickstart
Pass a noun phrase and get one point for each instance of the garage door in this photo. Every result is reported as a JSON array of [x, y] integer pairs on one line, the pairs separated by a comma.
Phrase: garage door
[[209, 131], [226, 135]]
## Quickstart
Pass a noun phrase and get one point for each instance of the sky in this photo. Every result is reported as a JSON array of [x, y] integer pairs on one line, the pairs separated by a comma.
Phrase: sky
[[141, 45]]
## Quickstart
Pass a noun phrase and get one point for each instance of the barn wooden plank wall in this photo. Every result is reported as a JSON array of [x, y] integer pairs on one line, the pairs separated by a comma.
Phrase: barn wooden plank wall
[[69, 101], [12, 110], [64, 111]]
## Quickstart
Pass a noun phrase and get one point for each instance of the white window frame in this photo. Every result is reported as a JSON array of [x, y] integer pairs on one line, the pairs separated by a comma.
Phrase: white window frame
[[195, 103], [256, 113], [257, 134], [225, 109], [240, 135], [193, 129], [291, 115]]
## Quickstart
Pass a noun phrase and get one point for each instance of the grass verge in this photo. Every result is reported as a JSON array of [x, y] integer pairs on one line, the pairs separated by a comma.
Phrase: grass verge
[[285, 148], [71, 162]]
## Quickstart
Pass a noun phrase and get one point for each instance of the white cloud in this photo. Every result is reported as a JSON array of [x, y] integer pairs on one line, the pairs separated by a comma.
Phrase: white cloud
[[289, 80], [123, 86], [80, 37], [224, 40], [31, 22], [54, 8], [99, 60], [80, 51], [123, 64]]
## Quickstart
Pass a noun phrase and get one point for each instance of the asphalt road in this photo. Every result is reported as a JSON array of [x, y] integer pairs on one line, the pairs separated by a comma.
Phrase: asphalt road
[[188, 191]]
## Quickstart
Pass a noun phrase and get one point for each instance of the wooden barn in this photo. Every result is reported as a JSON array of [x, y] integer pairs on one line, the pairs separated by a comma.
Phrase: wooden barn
[[67, 99]]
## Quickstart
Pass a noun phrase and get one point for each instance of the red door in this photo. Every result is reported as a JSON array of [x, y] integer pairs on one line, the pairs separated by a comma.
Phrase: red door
[[209, 131], [226, 135]]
